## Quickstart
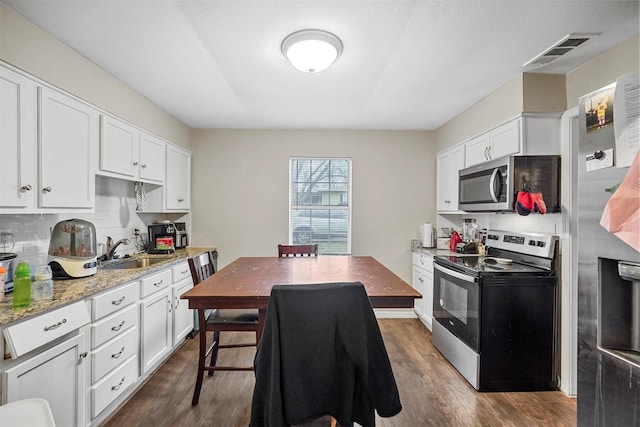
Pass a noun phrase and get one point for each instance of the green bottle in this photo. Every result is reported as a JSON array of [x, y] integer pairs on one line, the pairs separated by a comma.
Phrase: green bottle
[[22, 285]]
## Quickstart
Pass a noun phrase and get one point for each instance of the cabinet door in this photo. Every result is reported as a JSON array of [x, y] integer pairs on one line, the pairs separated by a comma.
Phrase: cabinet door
[[477, 150], [18, 140], [505, 139], [63, 370], [182, 315], [155, 329], [118, 147], [178, 179], [152, 153], [449, 162], [67, 143]]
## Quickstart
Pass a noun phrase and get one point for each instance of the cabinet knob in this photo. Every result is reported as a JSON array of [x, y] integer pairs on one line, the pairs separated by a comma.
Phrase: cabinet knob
[[447, 201], [25, 188], [144, 166], [181, 200], [47, 190], [135, 163]]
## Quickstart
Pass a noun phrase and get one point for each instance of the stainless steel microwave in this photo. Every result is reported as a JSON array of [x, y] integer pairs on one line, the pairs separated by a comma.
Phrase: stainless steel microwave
[[494, 185]]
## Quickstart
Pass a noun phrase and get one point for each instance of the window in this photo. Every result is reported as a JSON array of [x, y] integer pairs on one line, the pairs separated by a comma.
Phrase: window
[[320, 204]]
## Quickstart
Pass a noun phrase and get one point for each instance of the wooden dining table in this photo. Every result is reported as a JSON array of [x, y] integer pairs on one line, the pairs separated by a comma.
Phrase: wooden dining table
[[247, 282]]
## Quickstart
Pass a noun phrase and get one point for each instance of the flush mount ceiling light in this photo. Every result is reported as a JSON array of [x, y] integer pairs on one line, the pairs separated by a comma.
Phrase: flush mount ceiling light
[[311, 51]]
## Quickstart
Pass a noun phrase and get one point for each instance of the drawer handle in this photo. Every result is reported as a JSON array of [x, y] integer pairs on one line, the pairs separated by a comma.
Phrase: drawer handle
[[156, 284], [420, 279], [117, 328], [143, 166], [170, 305], [118, 354], [83, 355], [185, 271], [47, 190], [25, 188], [116, 387], [57, 325], [175, 307], [181, 200], [118, 301]]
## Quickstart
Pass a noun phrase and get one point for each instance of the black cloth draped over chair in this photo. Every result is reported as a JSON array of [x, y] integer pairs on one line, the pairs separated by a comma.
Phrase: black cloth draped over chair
[[322, 353]]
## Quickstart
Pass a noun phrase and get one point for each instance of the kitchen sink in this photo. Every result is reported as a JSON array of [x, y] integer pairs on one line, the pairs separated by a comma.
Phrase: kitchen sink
[[123, 264]]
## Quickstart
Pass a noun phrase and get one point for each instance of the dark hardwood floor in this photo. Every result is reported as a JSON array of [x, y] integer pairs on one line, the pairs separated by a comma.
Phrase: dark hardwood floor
[[433, 393]]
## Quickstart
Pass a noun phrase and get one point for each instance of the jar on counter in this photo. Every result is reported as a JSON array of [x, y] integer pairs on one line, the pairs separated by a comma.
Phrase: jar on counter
[[43, 286]]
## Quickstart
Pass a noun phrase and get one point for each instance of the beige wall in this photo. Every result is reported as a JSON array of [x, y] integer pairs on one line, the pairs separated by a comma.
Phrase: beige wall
[[499, 106], [602, 70], [27, 47], [543, 93], [527, 93], [240, 179]]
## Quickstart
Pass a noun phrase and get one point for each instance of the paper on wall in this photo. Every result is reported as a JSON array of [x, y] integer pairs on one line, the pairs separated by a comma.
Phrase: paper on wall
[[626, 108], [621, 215]]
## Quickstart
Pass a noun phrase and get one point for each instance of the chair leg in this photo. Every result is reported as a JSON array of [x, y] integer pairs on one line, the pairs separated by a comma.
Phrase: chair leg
[[214, 351], [201, 360]]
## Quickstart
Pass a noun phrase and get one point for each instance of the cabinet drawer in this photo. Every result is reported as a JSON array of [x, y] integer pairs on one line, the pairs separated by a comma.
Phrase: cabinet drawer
[[33, 333], [180, 272], [112, 354], [114, 325], [152, 284], [113, 385], [114, 300]]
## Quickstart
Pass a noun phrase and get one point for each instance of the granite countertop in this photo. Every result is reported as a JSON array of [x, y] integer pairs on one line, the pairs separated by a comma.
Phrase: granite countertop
[[68, 291], [416, 247]]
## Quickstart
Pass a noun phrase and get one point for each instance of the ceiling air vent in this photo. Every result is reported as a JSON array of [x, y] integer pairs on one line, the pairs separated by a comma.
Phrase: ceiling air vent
[[562, 47]]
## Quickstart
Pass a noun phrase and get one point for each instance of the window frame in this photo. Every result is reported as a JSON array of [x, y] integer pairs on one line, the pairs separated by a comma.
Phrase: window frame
[[348, 208]]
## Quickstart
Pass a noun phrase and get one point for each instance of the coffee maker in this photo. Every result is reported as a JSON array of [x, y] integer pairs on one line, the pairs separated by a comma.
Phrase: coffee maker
[[162, 238]]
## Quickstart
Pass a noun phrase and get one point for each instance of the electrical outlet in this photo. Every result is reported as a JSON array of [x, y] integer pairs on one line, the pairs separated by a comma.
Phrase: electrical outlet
[[136, 232]]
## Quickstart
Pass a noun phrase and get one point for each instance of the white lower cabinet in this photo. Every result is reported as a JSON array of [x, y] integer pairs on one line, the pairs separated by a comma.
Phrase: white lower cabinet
[[155, 319], [113, 385], [114, 345], [93, 353], [58, 375], [423, 283], [182, 315]]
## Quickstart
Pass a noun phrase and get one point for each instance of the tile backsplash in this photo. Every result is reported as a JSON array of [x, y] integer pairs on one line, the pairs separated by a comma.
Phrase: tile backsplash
[[115, 216]]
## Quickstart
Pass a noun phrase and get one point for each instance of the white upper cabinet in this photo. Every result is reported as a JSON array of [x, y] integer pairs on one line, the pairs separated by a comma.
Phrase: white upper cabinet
[[67, 147], [118, 147], [529, 134], [130, 153], [18, 140], [152, 155], [448, 163], [499, 142], [178, 179]]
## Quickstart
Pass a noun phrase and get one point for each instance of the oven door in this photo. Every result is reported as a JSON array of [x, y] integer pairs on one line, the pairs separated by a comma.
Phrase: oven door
[[456, 304]]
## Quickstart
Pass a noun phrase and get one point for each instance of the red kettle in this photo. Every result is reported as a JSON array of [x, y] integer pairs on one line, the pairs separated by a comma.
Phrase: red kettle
[[454, 240]]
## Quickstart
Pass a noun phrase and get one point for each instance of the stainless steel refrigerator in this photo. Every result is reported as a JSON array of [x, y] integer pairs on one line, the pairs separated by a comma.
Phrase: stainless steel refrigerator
[[608, 304]]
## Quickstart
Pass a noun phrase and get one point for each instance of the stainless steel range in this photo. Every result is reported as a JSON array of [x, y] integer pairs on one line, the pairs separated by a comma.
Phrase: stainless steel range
[[495, 315]]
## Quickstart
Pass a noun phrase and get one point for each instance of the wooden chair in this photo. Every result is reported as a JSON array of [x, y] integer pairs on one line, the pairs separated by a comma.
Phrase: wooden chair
[[286, 251], [218, 320]]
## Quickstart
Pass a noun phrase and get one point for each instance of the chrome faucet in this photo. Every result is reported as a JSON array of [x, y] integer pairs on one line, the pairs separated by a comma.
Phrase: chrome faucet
[[111, 247]]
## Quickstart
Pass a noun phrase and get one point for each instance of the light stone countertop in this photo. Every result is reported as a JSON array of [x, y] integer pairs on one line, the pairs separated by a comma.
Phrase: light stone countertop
[[68, 291]]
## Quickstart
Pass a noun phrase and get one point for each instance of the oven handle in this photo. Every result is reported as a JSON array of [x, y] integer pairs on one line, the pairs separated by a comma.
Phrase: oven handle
[[461, 276]]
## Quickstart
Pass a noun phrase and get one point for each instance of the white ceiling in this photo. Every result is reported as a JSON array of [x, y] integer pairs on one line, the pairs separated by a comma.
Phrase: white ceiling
[[406, 65]]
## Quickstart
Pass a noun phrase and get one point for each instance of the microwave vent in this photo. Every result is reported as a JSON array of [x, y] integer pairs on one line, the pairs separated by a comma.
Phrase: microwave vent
[[565, 45]]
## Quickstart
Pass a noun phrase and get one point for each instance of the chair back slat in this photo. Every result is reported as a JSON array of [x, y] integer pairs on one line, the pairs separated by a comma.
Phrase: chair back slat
[[201, 267], [285, 251]]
